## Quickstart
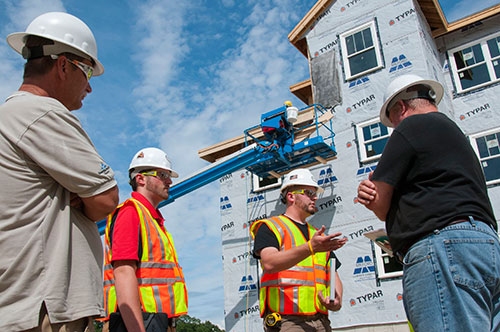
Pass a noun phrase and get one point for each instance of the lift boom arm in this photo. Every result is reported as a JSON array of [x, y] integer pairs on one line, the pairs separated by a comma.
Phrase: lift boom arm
[[279, 151]]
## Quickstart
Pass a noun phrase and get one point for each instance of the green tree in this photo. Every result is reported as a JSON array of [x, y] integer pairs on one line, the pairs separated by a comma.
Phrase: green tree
[[97, 326], [191, 324]]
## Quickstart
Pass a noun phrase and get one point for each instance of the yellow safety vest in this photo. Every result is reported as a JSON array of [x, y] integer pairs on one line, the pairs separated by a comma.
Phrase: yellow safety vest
[[293, 291], [161, 282]]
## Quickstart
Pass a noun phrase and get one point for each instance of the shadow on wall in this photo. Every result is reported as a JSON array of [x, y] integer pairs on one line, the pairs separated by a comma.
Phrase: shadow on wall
[[248, 306], [324, 216]]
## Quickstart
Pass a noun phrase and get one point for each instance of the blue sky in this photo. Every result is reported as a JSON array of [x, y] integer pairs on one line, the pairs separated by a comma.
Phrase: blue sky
[[457, 9], [181, 76]]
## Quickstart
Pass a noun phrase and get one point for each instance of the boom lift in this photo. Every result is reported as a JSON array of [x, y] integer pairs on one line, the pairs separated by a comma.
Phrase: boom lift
[[286, 138]]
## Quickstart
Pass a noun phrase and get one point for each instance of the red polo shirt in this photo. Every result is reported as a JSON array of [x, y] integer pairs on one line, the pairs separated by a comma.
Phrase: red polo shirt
[[126, 229]]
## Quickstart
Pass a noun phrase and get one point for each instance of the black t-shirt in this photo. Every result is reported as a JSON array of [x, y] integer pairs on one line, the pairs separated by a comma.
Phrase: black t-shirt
[[266, 238], [436, 176]]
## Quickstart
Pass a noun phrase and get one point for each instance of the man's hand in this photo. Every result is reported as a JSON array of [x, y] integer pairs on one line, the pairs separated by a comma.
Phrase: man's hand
[[367, 191], [376, 196], [75, 201], [321, 242], [332, 305], [274, 260]]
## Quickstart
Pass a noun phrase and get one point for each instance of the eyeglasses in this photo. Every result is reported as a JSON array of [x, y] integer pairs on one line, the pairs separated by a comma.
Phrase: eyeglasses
[[87, 70], [308, 192], [158, 174]]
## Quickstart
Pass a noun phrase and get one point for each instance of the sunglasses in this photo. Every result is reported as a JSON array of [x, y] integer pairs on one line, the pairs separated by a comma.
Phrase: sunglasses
[[162, 175], [308, 192], [87, 70]]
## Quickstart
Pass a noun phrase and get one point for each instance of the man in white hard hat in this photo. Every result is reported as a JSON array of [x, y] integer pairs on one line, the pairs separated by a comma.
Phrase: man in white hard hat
[[295, 257], [430, 190], [55, 184], [144, 286]]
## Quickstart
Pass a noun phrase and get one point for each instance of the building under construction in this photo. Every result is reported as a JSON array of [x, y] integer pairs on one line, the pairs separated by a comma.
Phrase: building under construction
[[354, 48]]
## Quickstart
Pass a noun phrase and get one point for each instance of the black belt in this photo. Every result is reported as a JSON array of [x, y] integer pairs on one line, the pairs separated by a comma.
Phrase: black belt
[[316, 316], [401, 253]]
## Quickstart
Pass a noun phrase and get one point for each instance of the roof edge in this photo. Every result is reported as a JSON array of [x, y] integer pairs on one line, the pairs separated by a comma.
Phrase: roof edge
[[463, 22], [298, 32]]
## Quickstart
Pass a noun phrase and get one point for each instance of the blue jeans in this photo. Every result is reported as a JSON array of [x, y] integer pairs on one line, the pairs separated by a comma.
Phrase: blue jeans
[[451, 280]]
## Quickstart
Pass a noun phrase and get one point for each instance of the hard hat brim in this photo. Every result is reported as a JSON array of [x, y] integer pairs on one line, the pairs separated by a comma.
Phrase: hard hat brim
[[298, 178], [17, 41]]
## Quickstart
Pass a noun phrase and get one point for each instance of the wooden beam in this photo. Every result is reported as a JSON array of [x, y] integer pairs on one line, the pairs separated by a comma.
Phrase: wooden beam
[[306, 22], [482, 15]]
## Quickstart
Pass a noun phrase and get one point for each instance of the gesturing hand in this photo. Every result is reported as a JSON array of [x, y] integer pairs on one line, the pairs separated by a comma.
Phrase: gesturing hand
[[321, 242]]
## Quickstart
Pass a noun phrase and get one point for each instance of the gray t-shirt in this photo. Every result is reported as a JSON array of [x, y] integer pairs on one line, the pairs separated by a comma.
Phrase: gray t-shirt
[[49, 252]]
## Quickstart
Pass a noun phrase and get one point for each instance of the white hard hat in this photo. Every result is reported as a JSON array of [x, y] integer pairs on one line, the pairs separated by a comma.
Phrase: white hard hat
[[300, 177], [398, 90], [149, 158], [69, 33]]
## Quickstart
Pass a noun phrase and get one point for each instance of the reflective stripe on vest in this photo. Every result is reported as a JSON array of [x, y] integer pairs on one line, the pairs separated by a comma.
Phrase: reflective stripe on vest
[[161, 282], [293, 291]]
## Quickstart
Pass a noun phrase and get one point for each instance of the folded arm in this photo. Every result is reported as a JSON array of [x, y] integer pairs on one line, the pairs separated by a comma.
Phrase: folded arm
[[99, 206], [376, 196]]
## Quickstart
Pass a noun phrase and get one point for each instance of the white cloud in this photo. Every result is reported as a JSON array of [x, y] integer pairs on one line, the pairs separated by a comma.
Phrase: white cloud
[[161, 45]]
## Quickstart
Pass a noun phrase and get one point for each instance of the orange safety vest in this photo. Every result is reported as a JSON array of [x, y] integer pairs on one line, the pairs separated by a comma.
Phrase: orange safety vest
[[161, 282], [293, 291]]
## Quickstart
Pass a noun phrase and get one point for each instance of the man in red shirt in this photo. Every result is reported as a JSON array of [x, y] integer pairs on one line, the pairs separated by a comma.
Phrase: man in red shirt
[[142, 277]]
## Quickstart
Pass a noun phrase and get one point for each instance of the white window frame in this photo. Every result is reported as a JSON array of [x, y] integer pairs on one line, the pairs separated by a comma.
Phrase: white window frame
[[473, 142], [258, 187], [363, 157], [376, 45], [380, 258], [488, 60]]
